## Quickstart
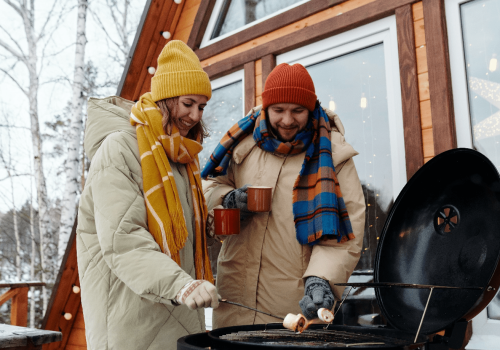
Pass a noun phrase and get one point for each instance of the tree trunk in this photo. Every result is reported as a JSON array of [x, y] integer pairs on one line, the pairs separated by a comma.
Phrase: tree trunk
[[73, 154], [33, 257], [47, 246]]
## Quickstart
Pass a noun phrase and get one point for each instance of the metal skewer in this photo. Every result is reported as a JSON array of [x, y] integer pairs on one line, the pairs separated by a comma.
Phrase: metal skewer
[[250, 308]]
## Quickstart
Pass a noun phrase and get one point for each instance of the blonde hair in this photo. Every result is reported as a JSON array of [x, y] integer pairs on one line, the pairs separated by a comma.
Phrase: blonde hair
[[168, 107]]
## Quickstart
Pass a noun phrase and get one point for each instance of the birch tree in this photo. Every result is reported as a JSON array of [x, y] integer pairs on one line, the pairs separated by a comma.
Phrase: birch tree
[[68, 211], [32, 55]]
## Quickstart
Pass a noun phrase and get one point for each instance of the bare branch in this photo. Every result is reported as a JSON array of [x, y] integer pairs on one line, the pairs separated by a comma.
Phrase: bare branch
[[13, 40], [15, 81], [15, 7], [15, 127], [96, 17], [15, 175], [14, 53]]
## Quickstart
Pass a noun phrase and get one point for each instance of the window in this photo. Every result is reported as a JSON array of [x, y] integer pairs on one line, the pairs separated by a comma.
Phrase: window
[[231, 16], [474, 47], [356, 74], [223, 110]]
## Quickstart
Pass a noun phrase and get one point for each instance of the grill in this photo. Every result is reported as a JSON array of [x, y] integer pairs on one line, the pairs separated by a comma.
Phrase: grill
[[322, 337], [437, 266]]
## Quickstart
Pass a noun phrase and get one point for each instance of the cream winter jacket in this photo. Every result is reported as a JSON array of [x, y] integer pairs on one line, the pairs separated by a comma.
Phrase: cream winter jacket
[[127, 284], [264, 266]]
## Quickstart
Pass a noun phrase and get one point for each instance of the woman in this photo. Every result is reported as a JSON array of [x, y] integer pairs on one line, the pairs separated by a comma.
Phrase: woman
[[144, 270]]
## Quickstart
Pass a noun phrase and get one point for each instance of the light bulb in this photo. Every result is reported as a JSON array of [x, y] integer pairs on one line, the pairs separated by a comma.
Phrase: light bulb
[[151, 70], [166, 35], [76, 289], [68, 316], [493, 63], [363, 102], [332, 106]]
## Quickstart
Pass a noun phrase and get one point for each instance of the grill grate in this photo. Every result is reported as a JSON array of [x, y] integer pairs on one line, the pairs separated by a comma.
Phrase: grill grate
[[317, 337]]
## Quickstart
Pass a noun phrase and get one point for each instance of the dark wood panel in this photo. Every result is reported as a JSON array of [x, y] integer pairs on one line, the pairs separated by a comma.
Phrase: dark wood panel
[[200, 23], [409, 90], [438, 62], [336, 25], [267, 26], [268, 64], [249, 85]]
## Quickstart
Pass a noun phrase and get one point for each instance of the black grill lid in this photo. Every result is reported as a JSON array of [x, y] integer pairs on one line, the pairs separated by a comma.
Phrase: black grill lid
[[443, 229]]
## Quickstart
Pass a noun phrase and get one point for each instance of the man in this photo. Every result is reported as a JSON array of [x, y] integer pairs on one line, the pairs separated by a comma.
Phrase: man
[[312, 238]]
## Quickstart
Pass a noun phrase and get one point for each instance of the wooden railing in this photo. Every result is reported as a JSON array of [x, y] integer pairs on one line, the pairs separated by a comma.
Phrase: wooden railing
[[18, 292]]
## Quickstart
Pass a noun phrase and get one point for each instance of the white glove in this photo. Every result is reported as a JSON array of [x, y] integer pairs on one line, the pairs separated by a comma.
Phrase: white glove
[[198, 294]]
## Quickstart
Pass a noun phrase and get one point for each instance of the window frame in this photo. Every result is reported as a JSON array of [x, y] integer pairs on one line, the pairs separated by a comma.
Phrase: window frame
[[382, 31], [230, 79], [206, 41], [484, 328]]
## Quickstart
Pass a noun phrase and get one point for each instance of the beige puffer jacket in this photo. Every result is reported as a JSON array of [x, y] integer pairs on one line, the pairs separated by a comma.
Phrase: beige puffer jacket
[[264, 266], [127, 284]]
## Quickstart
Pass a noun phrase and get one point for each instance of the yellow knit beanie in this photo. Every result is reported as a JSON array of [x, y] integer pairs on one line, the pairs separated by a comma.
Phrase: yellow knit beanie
[[179, 73]]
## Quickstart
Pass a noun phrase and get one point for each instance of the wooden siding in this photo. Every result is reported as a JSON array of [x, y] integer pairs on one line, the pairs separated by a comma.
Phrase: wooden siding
[[291, 28], [423, 81]]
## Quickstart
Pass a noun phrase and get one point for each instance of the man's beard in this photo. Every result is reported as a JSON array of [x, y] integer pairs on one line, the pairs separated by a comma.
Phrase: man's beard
[[279, 137]]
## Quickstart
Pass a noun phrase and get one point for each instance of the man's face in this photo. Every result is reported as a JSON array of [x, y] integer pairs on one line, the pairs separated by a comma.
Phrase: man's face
[[287, 120]]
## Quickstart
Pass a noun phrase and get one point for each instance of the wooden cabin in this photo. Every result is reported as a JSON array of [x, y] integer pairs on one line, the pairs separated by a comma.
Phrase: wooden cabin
[[408, 78]]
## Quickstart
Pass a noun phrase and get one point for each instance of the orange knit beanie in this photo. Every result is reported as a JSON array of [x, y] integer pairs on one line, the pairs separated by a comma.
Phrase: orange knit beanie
[[289, 84]]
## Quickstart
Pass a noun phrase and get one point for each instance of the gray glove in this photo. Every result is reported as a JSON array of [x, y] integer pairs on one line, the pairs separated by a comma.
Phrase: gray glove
[[238, 199], [317, 294]]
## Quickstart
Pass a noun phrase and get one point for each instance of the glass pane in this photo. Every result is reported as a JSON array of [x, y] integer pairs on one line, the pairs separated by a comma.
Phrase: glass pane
[[480, 26], [237, 13], [222, 111], [354, 86]]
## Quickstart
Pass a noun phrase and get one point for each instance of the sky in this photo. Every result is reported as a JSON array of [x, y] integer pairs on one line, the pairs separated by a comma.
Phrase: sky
[[55, 85]]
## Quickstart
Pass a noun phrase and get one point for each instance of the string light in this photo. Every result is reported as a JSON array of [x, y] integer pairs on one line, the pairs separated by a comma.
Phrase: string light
[[332, 106], [363, 102], [166, 35], [493, 63]]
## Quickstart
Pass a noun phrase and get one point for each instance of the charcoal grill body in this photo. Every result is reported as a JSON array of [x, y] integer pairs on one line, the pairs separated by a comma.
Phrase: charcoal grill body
[[443, 230]]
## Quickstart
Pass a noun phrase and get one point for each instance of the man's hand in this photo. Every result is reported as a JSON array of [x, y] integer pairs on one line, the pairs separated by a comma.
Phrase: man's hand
[[238, 199], [198, 294], [317, 294]]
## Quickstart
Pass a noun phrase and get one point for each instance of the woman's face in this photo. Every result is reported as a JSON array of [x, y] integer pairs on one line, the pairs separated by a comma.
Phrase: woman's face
[[189, 112]]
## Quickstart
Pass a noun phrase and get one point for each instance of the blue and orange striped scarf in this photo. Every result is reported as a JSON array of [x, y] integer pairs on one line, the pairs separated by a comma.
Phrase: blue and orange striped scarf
[[319, 210]]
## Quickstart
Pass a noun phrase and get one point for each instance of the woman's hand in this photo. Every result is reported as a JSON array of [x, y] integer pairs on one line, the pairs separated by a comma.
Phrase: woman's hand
[[198, 294]]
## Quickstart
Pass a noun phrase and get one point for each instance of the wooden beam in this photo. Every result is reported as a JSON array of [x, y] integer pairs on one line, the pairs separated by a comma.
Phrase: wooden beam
[[362, 15], [438, 62], [249, 69], [293, 15], [8, 295], [409, 90], [268, 64], [19, 308], [22, 284], [200, 23]]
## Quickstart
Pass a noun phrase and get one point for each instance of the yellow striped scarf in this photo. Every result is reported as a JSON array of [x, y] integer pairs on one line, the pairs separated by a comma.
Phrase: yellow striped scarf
[[165, 214]]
